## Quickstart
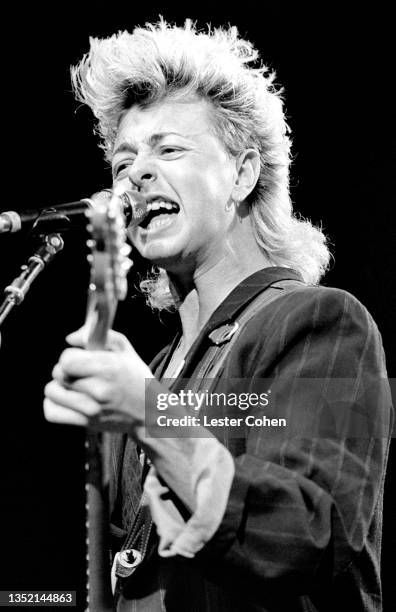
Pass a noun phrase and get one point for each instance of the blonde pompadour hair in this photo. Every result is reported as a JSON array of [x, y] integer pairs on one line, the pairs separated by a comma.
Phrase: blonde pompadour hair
[[163, 61]]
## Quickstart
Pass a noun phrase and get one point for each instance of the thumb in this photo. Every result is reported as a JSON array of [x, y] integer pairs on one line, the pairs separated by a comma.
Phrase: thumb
[[118, 342]]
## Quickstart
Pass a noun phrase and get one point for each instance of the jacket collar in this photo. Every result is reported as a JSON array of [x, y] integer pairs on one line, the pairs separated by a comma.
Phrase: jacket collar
[[245, 292], [228, 310]]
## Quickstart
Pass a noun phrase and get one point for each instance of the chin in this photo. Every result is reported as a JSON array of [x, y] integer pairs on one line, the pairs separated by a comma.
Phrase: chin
[[160, 255], [161, 251]]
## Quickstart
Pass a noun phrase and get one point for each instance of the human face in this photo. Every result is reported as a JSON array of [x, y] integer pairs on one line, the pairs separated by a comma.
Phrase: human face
[[170, 152]]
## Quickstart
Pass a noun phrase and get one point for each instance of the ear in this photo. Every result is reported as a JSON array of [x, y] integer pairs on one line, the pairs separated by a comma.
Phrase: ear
[[248, 171]]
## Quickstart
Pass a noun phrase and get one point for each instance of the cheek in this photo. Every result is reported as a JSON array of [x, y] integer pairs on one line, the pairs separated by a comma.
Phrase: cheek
[[209, 182], [218, 177], [123, 182]]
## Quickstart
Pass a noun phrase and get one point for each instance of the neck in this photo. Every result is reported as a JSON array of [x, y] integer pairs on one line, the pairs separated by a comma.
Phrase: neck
[[200, 293]]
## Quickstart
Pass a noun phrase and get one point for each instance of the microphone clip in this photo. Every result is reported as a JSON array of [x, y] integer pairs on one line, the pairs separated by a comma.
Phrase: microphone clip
[[15, 293]]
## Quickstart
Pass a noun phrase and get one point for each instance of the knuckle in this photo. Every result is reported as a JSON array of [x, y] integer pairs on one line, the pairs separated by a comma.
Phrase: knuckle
[[57, 372], [69, 356], [91, 409], [49, 387], [102, 393], [49, 411], [65, 358]]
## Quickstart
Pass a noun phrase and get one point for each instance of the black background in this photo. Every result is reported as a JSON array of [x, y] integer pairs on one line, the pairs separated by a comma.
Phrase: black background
[[335, 66]]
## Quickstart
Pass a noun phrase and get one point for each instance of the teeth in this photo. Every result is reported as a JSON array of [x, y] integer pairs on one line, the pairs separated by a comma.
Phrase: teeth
[[157, 204], [159, 221], [161, 212]]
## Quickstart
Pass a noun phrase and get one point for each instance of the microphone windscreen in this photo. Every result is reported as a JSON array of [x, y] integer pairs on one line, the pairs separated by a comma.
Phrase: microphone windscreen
[[135, 205]]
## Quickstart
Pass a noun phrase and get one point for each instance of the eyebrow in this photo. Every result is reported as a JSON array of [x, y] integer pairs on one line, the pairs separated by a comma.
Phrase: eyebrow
[[127, 147]]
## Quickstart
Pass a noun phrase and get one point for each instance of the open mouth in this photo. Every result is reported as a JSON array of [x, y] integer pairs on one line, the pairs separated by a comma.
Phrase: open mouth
[[159, 213]]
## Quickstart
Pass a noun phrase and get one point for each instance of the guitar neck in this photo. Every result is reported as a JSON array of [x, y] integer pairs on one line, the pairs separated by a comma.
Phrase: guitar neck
[[100, 597], [109, 265]]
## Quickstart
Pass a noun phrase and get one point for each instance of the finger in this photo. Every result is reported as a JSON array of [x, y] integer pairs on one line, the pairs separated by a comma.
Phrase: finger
[[78, 363], [58, 374], [79, 337], [70, 399], [98, 389], [115, 340], [59, 414]]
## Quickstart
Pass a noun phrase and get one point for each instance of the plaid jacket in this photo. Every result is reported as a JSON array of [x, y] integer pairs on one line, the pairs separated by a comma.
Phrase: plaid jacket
[[302, 528]]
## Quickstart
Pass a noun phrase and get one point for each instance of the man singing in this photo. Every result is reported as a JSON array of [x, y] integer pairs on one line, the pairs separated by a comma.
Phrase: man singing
[[216, 517]]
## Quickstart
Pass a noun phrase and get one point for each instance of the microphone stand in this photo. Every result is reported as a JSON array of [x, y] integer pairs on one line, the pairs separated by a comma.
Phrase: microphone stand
[[15, 293]]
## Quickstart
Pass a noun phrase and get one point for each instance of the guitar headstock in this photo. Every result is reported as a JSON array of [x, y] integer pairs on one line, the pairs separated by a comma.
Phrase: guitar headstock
[[109, 263]]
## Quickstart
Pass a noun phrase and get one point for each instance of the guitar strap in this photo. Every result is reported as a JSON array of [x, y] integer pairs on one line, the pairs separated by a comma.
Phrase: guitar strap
[[222, 340]]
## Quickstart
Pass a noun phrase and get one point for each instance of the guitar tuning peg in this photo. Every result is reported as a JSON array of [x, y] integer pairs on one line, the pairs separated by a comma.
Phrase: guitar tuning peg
[[91, 243]]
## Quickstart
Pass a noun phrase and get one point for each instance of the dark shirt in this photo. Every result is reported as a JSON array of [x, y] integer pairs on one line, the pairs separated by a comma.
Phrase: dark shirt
[[302, 528]]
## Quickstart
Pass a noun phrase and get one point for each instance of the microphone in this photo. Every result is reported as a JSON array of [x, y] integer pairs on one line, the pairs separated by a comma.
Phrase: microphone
[[71, 215]]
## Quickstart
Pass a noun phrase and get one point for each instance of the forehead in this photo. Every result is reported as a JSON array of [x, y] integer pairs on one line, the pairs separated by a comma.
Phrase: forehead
[[187, 118]]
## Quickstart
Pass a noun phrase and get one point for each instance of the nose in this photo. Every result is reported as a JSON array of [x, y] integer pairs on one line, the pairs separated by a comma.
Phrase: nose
[[142, 171]]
